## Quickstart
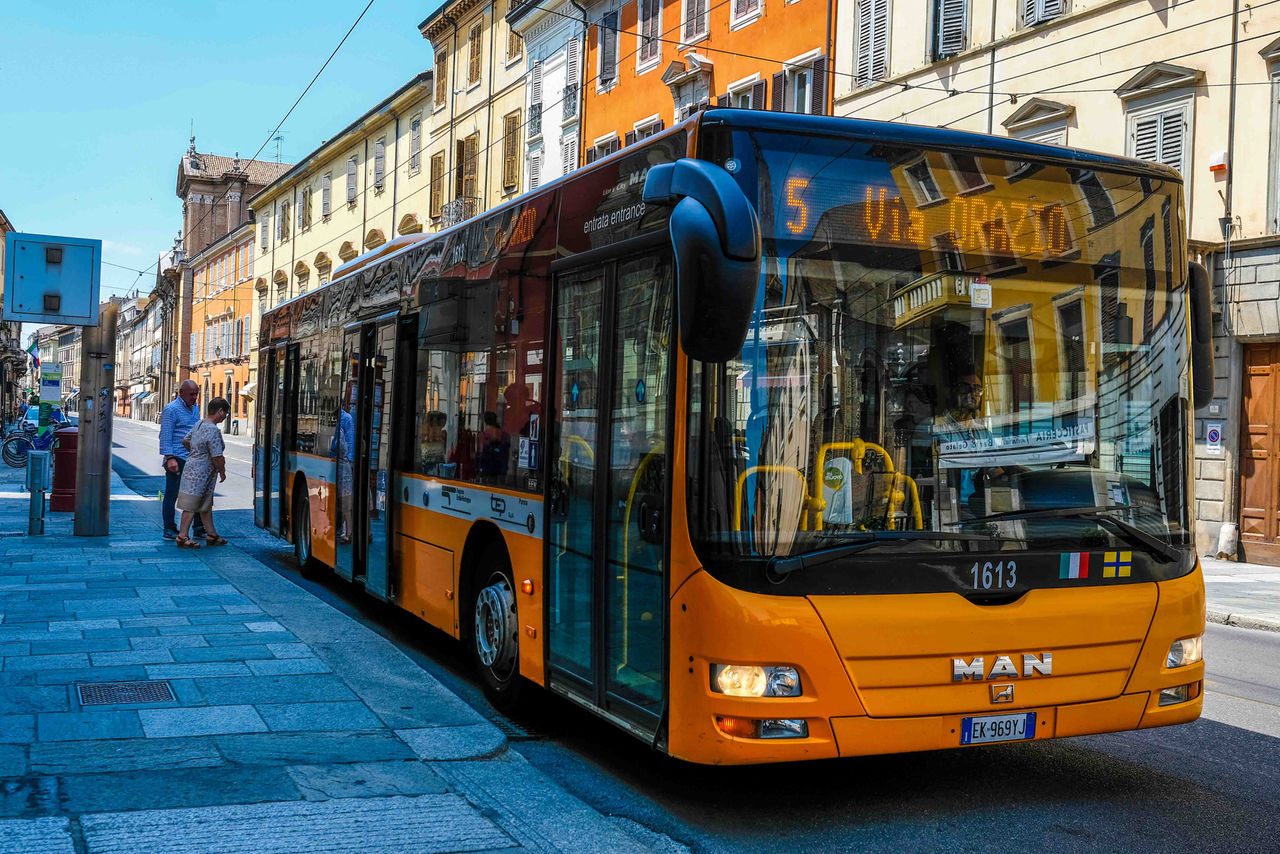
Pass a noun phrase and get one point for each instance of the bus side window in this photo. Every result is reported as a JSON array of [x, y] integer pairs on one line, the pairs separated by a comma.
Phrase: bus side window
[[437, 413]]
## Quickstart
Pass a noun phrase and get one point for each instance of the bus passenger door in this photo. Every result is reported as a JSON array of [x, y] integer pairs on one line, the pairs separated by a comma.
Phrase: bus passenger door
[[344, 452], [378, 465], [287, 412], [267, 446], [609, 492]]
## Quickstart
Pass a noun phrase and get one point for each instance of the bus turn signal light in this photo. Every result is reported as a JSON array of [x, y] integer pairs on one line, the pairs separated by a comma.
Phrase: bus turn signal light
[[1179, 694], [526, 587], [768, 728]]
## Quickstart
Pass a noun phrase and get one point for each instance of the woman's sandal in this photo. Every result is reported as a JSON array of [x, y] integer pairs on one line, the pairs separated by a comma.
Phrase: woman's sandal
[[185, 542], [215, 540]]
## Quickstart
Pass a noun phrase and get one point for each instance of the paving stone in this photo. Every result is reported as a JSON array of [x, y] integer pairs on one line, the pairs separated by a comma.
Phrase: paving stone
[[188, 629], [449, 743], [222, 653], [242, 609], [20, 632], [127, 634], [47, 662], [91, 674], [14, 648], [171, 642], [318, 717], [312, 748], [424, 823], [290, 650], [365, 780], [86, 644], [29, 796], [219, 617], [207, 720], [195, 671], [400, 692], [84, 726], [266, 638], [13, 763], [81, 625], [166, 789], [153, 622], [276, 689], [285, 666], [142, 754], [50, 835], [17, 729], [268, 626], [134, 656], [31, 699]]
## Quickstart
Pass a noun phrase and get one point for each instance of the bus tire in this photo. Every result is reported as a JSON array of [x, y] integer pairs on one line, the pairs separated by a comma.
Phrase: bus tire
[[494, 639], [307, 563]]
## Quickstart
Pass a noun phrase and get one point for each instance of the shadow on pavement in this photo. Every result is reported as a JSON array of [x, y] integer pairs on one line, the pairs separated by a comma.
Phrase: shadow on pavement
[[137, 479]]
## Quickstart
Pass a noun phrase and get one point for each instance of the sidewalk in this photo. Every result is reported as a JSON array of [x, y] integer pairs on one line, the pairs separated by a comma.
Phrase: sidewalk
[[1242, 594], [152, 698]]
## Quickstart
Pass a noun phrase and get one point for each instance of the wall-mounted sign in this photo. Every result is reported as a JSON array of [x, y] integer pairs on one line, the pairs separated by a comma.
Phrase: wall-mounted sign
[[1213, 439]]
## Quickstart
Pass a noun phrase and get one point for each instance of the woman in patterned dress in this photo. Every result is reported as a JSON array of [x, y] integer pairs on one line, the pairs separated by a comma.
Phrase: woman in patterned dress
[[205, 467]]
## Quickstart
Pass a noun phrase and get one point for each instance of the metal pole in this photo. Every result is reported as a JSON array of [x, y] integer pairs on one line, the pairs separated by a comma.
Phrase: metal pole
[[93, 464]]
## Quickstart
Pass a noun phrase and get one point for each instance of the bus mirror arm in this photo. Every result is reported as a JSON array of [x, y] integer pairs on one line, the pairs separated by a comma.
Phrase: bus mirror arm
[[715, 235], [1201, 334]]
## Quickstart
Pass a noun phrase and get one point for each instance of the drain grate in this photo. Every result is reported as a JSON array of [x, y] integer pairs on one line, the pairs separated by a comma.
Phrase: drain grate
[[514, 731], [123, 693]]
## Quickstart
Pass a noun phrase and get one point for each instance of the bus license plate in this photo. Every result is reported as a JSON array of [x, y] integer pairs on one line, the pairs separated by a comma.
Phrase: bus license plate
[[991, 728]]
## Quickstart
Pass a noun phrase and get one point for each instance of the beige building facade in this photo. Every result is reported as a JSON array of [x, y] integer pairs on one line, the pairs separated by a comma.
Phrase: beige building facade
[[478, 117], [358, 190], [1192, 85]]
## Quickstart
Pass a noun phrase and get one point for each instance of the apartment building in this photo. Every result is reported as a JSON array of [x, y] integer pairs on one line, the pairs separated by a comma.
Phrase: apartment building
[[478, 110], [220, 343], [553, 38], [654, 62]]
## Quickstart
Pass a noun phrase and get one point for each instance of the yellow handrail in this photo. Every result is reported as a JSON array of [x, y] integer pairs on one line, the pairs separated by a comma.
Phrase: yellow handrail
[[742, 480], [859, 448]]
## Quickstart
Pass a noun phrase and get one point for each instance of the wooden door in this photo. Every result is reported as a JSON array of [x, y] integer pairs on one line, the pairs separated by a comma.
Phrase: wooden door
[[1259, 479]]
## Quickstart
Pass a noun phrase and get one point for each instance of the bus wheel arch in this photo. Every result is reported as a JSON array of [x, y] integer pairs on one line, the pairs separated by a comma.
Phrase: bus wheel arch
[[300, 528], [489, 614]]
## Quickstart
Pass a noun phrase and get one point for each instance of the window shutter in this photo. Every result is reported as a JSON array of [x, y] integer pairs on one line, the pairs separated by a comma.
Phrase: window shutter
[[302, 207], [1051, 9], [779, 88], [1146, 138], [437, 185], [280, 220], [379, 162], [757, 95], [649, 46], [818, 88], [608, 32], [722, 100], [326, 194], [871, 41], [592, 154], [1172, 138], [1029, 15], [442, 77], [535, 84], [568, 154], [262, 230], [535, 170], [473, 55], [415, 145], [951, 27], [351, 180], [573, 69], [630, 137]]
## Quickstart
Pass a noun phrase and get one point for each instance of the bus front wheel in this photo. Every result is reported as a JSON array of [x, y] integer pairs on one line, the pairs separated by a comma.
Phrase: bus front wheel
[[307, 563], [495, 629]]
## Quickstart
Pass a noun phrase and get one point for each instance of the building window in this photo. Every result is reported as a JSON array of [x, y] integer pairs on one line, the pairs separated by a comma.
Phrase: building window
[[695, 20], [535, 101], [442, 77], [1101, 209], [968, 173], [468, 167], [511, 151], [650, 31], [437, 185], [871, 41], [415, 144], [644, 130], [535, 170], [282, 222], [602, 148], [607, 37], [262, 230], [1160, 135], [1019, 370], [326, 195], [304, 209], [745, 11], [568, 153], [473, 54], [379, 163], [351, 180], [923, 183], [515, 45], [1273, 185], [950, 27], [1039, 11], [572, 74], [801, 88], [948, 252]]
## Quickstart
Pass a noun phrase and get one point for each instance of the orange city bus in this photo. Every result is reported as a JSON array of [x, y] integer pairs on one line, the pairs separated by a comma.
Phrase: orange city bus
[[774, 437]]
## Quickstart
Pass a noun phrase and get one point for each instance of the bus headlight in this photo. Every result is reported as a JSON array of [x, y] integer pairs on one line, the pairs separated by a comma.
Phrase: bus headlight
[[1185, 651], [752, 680]]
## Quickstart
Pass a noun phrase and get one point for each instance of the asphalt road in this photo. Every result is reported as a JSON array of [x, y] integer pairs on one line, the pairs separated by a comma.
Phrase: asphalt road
[[1210, 785]]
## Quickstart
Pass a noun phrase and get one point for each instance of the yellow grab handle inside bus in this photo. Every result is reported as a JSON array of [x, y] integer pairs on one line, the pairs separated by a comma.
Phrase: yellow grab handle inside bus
[[742, 481], [858, 449], [625, 577]]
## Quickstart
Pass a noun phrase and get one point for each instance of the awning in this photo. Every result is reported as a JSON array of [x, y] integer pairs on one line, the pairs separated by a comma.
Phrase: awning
[[141, 396], [248, 390]]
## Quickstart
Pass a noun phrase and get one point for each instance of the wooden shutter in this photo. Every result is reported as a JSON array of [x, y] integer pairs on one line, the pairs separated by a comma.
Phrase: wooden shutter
[[818, 88], [722, 100], [951, 20], [281, 219], [572, 66], [262, 229], [568, 154], [473, 55], [326, 194], [442, 77], [351, 180], [757, 95], [437, 185], [1051, 9], [695, 20], [1173, 131], [608, 37], [631, 137], [1030, 12], [649, 46], [415, 144], [871, 41], [535, 170], [470, 166], [510, 150], [592, 154], [779, 88], [379, 162]]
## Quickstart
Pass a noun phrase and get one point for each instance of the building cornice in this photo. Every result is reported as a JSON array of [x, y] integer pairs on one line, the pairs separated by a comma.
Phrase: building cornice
[[448, 15], [241, 232]]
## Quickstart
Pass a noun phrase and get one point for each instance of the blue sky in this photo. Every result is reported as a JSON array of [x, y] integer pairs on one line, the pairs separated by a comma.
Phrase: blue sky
[[99, 98]]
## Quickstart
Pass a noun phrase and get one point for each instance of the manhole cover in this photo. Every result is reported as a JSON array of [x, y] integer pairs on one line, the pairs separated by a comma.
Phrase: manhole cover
[[118, 693], [514, 731]]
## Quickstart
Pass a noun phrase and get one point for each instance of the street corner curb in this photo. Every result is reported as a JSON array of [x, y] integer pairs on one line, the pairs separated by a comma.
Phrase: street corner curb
[[454, 743], [1243, 621]]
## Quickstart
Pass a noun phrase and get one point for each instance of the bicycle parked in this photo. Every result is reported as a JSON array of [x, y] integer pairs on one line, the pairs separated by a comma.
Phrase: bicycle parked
[[25, 438]]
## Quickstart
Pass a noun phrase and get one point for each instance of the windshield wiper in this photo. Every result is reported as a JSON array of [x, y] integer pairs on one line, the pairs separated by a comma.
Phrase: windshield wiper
[[1100, 514], [781, 565]]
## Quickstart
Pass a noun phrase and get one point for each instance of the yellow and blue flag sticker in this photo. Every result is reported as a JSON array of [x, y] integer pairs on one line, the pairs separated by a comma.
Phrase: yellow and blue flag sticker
[[1117, 564]]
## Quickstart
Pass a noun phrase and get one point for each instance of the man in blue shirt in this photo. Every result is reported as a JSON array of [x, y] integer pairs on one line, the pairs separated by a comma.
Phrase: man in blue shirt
[[176, 422]]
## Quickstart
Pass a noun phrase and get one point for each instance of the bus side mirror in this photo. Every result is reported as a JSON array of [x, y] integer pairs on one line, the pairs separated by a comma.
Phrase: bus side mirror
[[1201, 335], [716, 238]]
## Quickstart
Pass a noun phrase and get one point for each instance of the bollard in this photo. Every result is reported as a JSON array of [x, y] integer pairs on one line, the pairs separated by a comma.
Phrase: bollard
[[38, 482], [63, 497]]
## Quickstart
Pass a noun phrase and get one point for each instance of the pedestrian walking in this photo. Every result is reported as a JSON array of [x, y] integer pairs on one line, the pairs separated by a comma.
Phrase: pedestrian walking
[[205, 468], [176, 421]]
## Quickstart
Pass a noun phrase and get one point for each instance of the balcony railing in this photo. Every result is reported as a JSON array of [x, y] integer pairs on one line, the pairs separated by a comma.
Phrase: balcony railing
[[535, 120], [570, 101], [459, 209]]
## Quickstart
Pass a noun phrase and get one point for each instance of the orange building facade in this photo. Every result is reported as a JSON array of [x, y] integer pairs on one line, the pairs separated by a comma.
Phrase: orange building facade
[[653, 62], [218, 350]]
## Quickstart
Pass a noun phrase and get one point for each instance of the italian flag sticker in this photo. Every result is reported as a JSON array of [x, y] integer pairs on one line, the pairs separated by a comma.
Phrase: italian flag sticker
[[1073, 565]]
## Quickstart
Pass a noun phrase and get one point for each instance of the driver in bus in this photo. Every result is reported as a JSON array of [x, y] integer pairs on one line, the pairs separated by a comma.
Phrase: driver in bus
[[962, 429]]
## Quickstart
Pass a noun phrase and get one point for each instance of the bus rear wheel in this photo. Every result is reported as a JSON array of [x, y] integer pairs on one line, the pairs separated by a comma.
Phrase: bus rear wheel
[[307, 563], [495, 629]]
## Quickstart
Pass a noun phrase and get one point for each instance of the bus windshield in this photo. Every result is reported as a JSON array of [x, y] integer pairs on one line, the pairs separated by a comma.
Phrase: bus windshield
[[947, 341]]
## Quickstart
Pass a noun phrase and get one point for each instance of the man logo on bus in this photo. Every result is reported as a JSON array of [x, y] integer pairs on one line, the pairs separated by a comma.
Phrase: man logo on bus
[[1002, 668]]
